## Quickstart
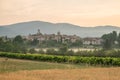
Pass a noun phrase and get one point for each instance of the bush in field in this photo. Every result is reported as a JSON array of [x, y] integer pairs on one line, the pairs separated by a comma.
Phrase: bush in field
[[24, 50], [112, 53], [71, 52], [99, 53], [51, 51], [63, 49], [84, 53], [32, 50], [41, 51]]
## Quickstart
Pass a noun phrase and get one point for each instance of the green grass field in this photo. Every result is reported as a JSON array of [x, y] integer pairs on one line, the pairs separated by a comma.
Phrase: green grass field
[[8, 65]]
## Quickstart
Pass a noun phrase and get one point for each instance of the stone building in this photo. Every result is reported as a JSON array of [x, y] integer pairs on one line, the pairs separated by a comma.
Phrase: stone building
[[92, 41]]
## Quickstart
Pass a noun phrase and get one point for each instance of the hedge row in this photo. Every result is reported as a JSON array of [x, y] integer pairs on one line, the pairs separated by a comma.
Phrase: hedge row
[[65, 59]]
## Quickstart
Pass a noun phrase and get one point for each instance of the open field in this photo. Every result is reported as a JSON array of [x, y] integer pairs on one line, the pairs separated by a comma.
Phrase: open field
[[9, 65], [15, 69], [68, 74]]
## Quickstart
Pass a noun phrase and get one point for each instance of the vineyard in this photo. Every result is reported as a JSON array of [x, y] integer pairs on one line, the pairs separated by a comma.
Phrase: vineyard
[[64, 59]]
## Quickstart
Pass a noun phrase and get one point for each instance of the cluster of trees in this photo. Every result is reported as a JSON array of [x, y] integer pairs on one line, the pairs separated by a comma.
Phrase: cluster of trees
[[16, 45], [111, 40], [19, 45], [53, 43]]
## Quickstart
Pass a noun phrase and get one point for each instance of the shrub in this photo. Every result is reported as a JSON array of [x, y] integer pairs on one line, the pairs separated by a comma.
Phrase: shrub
[[51, 51], [32, 51], [65, 59], [41, 51]]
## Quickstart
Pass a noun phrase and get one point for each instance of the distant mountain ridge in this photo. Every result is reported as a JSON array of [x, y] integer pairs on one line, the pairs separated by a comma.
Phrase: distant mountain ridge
[[31, 27]]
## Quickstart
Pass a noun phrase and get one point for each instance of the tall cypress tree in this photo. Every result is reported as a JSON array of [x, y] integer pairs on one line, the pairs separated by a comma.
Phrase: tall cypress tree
[[118, 40]]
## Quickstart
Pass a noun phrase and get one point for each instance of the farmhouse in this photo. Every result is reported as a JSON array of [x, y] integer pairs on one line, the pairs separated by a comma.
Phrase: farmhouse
[[92, 41]]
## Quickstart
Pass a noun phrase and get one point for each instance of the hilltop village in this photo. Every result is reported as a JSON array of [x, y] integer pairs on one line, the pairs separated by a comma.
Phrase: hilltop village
[[58, 41], [63, 38]]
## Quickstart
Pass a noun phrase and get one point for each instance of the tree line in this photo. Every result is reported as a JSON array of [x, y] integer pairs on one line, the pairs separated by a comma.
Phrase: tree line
[[15, 45], [111, 40]]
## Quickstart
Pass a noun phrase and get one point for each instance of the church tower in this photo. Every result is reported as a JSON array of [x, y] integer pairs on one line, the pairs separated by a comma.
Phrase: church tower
[[39, 32], [58, 33]]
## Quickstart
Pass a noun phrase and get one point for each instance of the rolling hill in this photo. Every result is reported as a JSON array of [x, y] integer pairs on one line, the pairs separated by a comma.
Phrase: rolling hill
[[31, 27]]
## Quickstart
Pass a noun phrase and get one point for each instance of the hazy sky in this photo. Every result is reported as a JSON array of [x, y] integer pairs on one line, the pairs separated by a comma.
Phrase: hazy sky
[[79, 12]]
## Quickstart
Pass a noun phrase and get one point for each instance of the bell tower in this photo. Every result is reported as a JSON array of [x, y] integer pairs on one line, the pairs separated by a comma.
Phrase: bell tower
[[38, 31], [58, 33]]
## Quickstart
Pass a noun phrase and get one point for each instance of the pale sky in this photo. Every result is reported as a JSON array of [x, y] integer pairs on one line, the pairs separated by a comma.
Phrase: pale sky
[[78, 12]]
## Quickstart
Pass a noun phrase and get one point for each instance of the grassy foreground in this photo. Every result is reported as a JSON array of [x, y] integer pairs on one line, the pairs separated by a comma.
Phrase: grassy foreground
[[9, 65], [68, 74], [15, 69]]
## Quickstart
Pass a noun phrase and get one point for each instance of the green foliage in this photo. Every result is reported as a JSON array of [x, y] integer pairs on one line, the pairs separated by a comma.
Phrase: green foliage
[[6, 46], [32, 50], [18, 40], [109, 40], [51, 51], [78, 43], [65, 59], [63, 49], [99, 53], [41, 51], [24, 50], [51, 43], [16, 45], [84, 53], [34, 42], [107, 44], [114, 35], [70, 53], [118, 39]]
